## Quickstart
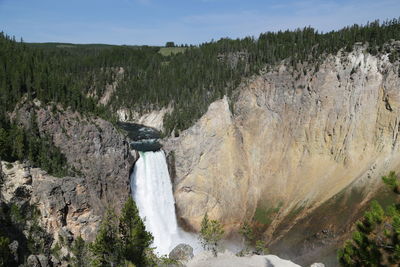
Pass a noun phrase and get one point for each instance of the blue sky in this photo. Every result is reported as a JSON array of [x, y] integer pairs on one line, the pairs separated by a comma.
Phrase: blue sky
[[154, 22]]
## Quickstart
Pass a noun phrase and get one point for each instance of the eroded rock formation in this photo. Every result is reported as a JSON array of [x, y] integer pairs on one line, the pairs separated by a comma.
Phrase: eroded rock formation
[[93, 146], [51, 212], [62, 202], [297, 138]]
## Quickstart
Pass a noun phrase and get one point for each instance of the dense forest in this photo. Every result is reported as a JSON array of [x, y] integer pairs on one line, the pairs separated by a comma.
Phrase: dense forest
[[190, 81], [76, 75]]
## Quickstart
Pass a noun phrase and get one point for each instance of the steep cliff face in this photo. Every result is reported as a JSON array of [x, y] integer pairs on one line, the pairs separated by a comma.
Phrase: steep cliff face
[[296, 139], [211, 173], [62, 204], [91, 145], [51, 211]]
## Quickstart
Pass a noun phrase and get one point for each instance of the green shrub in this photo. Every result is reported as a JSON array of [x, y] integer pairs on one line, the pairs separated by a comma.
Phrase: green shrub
[[9, 166], [376, 242], [5, 253], [210, 234]]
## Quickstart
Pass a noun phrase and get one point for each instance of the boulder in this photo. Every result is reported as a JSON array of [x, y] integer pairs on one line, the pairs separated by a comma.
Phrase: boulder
[[181, 252], [33, 261], [44, 261], [14, 249]]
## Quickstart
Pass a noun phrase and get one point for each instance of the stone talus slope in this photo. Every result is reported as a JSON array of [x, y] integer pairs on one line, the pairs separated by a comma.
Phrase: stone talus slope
[[296, 139]]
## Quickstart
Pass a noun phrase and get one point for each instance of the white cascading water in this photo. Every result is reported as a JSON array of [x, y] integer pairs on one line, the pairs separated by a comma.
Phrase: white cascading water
[[152, 192]]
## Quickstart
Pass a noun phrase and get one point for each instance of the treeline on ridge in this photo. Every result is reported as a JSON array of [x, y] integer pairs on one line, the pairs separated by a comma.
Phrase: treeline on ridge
[[187, 81], [190, 81]]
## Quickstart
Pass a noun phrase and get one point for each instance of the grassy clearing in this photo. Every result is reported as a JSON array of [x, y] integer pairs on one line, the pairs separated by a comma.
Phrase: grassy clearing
[[167, 51], [70, 45], [264, 214]]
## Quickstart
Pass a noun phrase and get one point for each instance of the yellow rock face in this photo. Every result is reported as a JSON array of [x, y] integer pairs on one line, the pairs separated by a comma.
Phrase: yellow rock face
[[294, 141]]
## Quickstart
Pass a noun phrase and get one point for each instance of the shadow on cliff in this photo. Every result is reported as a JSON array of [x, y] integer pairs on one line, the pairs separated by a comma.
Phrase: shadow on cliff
[[317, 237]]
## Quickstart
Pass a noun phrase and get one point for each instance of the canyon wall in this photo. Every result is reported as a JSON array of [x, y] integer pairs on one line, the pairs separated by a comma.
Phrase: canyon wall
[[91, 145], [292, 139], [51, 212]]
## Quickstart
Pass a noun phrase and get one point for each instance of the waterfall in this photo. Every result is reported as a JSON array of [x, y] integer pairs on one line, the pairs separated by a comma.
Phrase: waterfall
[[152, 192]]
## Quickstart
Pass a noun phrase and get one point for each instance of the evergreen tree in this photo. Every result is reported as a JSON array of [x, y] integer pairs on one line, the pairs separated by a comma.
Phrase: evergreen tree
[[19, 143], [261, 248], [79, 250], [119, 241], [106, 249], [376, 242], [210, 235], [5, 253], [247, 233], [134, 237], [4, 145]]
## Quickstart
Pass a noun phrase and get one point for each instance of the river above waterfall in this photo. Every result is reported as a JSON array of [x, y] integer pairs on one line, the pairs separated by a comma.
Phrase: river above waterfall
[[143, 138]]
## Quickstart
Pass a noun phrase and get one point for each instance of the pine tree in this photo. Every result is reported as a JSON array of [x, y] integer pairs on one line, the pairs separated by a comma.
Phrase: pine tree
[[134, 237], [376, 242], [4, 145], [106, 249], [5, 253], [210, 235], [79, 250], [19, 144], [248, 235]]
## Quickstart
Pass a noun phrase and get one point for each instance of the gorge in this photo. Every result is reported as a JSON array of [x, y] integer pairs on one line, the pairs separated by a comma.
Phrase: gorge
[[288, 133], [303, 138]]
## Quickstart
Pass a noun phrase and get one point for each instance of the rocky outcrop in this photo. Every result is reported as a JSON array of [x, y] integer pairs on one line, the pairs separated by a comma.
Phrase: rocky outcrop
[[37, 261], [153, 119], [228, 259], [55, 211], [60, 205], [92, 146], [297, 138]]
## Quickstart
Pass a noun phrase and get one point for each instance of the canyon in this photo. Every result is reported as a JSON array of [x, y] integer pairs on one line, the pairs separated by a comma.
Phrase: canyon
[[293, 141], [292, 148]]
